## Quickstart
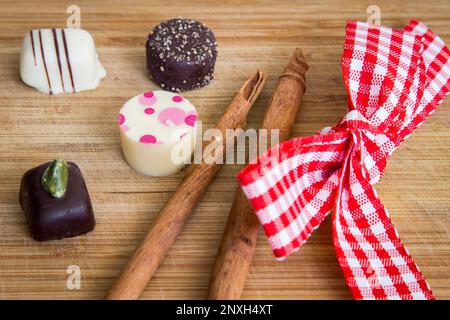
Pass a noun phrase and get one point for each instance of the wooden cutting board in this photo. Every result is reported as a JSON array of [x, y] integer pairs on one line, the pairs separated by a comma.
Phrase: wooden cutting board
[[82, 127]]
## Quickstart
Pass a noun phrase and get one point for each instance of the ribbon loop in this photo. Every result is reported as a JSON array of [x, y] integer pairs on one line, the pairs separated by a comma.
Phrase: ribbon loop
[[395, 79]]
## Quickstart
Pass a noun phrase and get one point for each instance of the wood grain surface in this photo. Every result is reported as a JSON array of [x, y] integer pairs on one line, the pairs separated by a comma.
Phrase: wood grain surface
[[35, 128]]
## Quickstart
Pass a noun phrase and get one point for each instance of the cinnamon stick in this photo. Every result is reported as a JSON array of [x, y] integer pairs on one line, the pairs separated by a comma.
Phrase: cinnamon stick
[[173, 216], [239, 240]]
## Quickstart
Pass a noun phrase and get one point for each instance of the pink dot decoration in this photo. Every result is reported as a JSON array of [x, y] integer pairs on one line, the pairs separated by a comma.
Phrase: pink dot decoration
[[147, 99], [121, 119], [172, 117], [191, 119], [125, 128], [149, 110], [177, 98], [148, 138]]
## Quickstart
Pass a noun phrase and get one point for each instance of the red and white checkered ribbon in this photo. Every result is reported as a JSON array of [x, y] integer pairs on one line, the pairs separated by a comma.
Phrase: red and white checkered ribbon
[[395, 79]]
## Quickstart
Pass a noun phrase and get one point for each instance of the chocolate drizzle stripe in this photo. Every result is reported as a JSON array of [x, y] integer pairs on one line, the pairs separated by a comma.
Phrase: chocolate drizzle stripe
[[58, 57], [45, 64], [32, 46], [68, 58]]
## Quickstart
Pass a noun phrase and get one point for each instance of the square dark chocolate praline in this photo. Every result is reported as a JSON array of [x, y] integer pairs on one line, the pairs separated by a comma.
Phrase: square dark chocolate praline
[[52, 218]]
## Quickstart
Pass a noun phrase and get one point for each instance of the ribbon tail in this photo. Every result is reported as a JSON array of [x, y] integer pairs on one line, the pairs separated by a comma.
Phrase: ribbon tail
[[374, 260]]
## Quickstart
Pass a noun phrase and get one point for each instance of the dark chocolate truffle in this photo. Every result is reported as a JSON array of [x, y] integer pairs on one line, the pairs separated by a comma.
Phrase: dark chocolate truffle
[[54, 216], [181, 54]]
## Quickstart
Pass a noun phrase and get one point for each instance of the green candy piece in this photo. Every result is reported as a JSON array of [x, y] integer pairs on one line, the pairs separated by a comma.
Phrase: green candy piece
[[55, 178]]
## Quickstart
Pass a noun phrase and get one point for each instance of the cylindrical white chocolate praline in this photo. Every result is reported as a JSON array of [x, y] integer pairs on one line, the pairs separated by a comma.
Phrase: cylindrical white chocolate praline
[[158, 132]]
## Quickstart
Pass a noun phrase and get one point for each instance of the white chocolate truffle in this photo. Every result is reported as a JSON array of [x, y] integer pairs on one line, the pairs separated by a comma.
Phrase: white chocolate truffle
[[158, 132], [58, 61]]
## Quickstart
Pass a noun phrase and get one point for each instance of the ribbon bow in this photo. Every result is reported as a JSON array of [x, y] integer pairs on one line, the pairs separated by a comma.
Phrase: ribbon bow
[[395, 79]]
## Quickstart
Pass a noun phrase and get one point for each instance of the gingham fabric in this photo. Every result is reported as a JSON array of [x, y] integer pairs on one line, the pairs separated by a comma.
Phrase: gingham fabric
[[394, 79]]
